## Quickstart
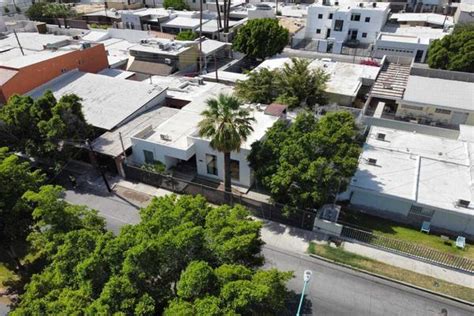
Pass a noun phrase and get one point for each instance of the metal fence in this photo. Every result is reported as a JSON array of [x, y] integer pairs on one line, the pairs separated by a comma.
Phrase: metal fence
[[410, 249], [264, 210]]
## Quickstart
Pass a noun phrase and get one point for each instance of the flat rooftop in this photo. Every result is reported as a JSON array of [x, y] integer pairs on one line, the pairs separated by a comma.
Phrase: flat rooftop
[[172, 48], [109, 142], [429, 170], [106, 101], [411, 34], [432, 91], [345, 77], [351, 4], [184, 22], [430, 18]]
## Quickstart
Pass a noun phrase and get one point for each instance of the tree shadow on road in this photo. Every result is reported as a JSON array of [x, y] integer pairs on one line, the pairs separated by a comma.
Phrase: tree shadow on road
[[293, 302]]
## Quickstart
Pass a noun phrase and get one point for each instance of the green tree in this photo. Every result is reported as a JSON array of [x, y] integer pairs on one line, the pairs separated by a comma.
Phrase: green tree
[[170, 263], [57, 11], [305, 163], [455, 51], [36, 11], [299, 85], [186, 35], [296, 84], [259, 87], [45, 127], [16, 178], [227, 125], [261, 38], [176, 4]]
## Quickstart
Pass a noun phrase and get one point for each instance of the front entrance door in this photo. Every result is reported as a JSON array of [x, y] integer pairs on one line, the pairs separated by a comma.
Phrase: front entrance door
[[419, 56]]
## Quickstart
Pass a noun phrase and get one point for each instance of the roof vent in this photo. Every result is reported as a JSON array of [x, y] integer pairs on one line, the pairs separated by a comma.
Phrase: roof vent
[[372, 161], [336, 3], [361, 4], [165, 137], [463, 203], [381, 136], [374, 4]]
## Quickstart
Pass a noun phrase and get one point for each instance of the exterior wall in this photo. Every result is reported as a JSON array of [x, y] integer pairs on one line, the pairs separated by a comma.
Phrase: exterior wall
[[429, 112], [188, 59], [131, 21], [399, 49], [203, 148], [93, 59], [371, 28], [399, 208], [453, 222]]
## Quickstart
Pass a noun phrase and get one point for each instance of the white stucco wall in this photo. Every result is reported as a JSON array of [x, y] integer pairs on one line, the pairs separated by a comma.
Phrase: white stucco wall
[[380, 202], [202, 148], [463, 224]]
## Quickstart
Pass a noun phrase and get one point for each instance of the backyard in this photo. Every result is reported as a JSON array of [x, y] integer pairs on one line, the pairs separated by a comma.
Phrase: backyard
[[390, 229]]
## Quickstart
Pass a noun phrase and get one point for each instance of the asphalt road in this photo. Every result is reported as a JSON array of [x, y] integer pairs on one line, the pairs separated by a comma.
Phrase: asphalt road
[[333, 290]]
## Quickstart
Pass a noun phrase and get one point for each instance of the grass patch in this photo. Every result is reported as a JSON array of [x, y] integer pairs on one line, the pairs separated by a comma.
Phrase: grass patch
[[367, 264], [390, 229], [5, 274]]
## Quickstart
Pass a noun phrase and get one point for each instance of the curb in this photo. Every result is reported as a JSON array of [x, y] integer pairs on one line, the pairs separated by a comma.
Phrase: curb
[[452, 298]]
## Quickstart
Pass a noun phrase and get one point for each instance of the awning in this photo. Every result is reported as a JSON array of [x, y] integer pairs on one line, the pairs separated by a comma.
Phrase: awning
[[150, 68]]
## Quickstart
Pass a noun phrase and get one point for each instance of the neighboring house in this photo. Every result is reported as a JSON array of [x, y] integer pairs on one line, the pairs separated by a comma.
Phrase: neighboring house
[[345, 79], [162, 57], [333, 23], [176, 141], [107, 16], [107, 102], [412, 177], [439, 99], [464, 13], [406, 41], [423, 19], [45, 58], [145, 19]]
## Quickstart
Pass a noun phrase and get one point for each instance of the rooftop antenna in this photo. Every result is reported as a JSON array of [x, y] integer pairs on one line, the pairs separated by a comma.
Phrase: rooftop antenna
[[18, 41]]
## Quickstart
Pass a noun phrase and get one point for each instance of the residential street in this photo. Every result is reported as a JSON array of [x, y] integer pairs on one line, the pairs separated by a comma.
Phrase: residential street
[[333, 290]]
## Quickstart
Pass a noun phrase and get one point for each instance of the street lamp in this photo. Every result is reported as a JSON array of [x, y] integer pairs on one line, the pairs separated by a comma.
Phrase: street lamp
[[306, 277]]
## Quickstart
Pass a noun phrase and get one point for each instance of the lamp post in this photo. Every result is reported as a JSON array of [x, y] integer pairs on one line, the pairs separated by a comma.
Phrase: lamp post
[[306, 277]]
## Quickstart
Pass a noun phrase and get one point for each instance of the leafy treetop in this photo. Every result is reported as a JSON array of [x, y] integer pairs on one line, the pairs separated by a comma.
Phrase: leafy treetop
[[304, 164], [261, 38], [454, 51]]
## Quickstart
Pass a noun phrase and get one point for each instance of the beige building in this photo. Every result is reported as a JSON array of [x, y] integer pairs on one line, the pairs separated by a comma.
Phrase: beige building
[[438, 101]]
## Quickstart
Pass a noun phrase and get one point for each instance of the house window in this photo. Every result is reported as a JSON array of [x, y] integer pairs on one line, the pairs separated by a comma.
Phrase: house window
[[149, 156], [443, 111], [235, 169], [364, 35], [338, 25], [330, 16], [416, 209], [367, 19], [211, 162], [320, 16], [318, 31], [355, 17]]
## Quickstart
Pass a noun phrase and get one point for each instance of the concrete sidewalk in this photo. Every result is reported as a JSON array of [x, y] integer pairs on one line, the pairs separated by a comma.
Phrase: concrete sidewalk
[[297, 240]]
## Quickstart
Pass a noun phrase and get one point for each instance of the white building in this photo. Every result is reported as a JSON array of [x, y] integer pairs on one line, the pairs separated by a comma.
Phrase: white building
[[413, 178], [406, 41], [334, 22], [176, 139], [464, 13], [106, 102]]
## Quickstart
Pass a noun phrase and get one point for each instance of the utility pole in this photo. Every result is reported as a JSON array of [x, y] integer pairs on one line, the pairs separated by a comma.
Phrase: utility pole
[[95, 162], [200, 36], [215, 66], [18, 41]]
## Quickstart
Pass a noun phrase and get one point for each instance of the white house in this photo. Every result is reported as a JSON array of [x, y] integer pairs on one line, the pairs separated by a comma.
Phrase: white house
[[176, 140], [334, 22], [412, 177], [406, 41]]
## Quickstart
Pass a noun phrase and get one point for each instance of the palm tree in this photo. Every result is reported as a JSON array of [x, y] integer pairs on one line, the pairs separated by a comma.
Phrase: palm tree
[[227, 125]]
